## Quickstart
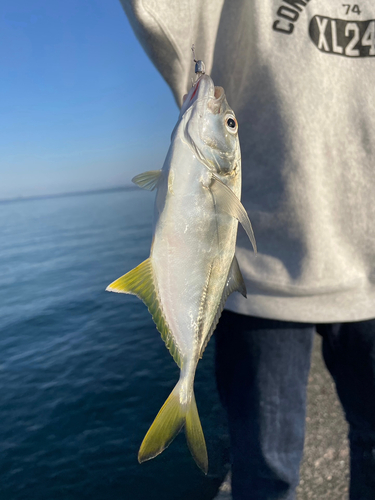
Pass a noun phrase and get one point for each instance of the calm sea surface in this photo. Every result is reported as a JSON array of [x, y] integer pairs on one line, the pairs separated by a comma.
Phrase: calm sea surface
[[83, 372]]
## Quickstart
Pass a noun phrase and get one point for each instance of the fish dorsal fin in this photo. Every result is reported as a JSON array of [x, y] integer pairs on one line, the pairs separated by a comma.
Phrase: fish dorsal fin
[[234, 283], [227, 201], [147, 180], [140, 282]]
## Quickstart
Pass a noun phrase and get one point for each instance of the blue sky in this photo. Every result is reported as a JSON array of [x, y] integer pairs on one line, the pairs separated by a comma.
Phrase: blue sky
[[81, 105]]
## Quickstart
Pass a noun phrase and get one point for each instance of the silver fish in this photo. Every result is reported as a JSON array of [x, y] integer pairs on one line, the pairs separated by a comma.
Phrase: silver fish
[[192, 268]]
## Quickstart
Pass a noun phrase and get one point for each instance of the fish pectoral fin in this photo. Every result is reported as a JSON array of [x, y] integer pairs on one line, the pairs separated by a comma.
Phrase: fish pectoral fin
[[172, 417], [147, 180], [227, 201], [140, 282]]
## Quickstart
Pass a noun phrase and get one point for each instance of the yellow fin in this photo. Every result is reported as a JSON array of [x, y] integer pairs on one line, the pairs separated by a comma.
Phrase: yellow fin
[[234, 283], [171, 418], [167, 424], [140, 282], [194, 436]]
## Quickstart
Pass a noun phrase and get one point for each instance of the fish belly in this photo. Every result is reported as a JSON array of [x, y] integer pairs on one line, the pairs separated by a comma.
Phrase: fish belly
[[192, 252]]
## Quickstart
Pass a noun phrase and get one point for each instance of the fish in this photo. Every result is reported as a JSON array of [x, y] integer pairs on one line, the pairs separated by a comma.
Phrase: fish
[[192, 267]]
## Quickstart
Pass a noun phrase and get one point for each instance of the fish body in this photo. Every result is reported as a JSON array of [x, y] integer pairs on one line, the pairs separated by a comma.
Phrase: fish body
[[192, 268]]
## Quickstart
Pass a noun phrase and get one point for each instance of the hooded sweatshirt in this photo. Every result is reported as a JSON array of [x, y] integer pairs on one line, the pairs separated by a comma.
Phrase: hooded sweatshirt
[[300, 76]]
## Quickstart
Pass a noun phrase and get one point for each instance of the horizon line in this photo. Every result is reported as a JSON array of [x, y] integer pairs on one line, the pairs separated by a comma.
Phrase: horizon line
[[129, 187]]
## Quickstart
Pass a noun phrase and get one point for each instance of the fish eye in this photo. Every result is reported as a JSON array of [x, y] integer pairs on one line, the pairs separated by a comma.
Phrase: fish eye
[[231, 124]]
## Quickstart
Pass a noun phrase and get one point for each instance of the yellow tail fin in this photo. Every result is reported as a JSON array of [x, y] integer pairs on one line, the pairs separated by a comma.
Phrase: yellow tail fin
[[195, 437], [172, 417]]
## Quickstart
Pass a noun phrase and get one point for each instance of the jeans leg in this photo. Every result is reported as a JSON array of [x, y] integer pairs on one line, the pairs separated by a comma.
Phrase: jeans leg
[[349, 353], [262, 369]]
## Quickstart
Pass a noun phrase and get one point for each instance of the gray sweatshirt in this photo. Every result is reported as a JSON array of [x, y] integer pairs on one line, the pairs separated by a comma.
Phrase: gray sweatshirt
[[300, 76]]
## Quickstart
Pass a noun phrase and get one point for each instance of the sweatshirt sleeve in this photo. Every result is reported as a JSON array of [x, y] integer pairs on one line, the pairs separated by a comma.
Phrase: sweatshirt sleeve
[[167, 29]]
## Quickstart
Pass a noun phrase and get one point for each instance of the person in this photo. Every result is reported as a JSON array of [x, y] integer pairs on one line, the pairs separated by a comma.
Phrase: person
[[299, 75]]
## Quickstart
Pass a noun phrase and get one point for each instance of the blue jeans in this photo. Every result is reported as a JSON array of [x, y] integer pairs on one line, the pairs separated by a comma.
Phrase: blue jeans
[[262, 369]]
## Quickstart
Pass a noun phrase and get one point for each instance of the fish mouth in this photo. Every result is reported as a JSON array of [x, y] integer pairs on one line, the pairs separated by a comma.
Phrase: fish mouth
[[201, 87], [219, 93], [214, 104]]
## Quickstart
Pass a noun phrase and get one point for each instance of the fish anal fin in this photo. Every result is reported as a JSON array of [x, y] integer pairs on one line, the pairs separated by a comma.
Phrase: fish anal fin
[[234, 283], [147, 180], [140, 282], [227, 201]]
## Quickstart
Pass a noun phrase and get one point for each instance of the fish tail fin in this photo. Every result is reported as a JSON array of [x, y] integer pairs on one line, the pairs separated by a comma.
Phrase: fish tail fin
[[167, 424], [194, 436], [171, 418]]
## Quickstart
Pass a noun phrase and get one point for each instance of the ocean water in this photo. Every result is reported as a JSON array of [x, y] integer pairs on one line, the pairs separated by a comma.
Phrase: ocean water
[[83, 372]]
